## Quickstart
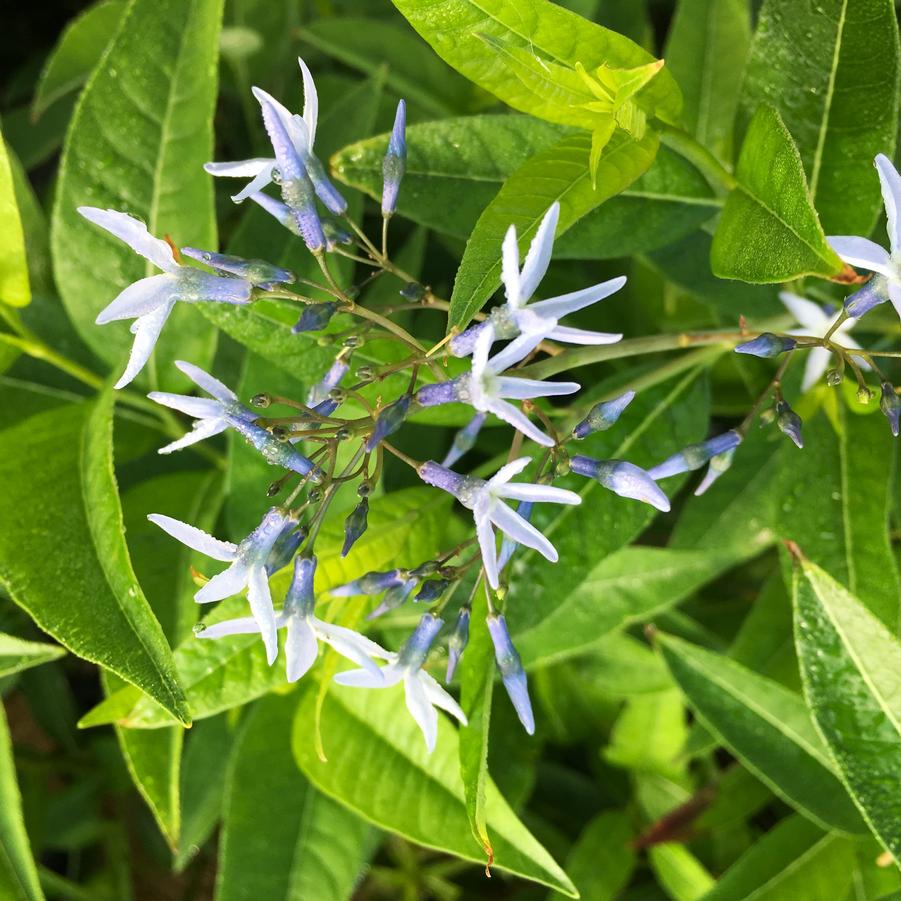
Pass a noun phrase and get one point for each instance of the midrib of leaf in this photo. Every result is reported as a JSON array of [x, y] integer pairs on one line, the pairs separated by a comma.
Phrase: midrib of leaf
[[95, 541], [12, 869], [792, 867], [165, 124], [855, 658], [782, 222], [827, 109], [764, 715], [846, 513], [302, 829]]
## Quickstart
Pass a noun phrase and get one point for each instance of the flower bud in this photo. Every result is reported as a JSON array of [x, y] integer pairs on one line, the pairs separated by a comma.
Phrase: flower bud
[[864, 395], [285, 546], [431, 590], [789, 422], [890, 404], [510, 667], [457, 642], [717, 466], [415, 649], [389, 421], [604, 415], [465, 439], [834, 377], [371, 583], [767, 345], [395, 162], [871, 294], [622, 478], [300, 597], [394, 597], [355, 525], [315, 316], [412, 291], [694, 456]]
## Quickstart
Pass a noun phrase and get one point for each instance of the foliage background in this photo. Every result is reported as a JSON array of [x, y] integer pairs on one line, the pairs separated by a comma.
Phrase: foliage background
[[687, 767]]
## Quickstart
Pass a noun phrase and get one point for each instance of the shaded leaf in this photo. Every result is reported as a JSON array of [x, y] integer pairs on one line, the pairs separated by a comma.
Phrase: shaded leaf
[[15, 289], [16, 654]]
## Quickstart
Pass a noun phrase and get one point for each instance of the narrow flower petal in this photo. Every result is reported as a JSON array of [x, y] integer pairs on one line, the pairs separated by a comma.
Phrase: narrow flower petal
[[202, 430], [862, 253], [440, 698], [487, 544], [421, 710], [518, 349], [806, 312], [204, 380], [244, 625], [558, 307], [198, 407], [260, 600], [146, 330], [525, 389], [310, 102], [223, 585], [134, 233], [239, 169], [815, 368], [890, 183], [364, 678], [195, 538], [508, 471], [256, 184], [521, 531], [539, 256], [582, 336], [515, 417], [510, 269], [523, 491], [140, 298], [301, 647]]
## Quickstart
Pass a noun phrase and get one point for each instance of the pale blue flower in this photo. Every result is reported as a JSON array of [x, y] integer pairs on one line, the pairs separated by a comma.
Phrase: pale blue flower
[[486, 389], [532, 323], [865, 254], [508, 545], [486, 500], [513, 675], [258, 272], [622, 478], [694, 456], [603, 416], [247, 570], [150, 300], [395, 162], [318, 397], [301, 131], [423, 693], [305, 630], [766, 345]]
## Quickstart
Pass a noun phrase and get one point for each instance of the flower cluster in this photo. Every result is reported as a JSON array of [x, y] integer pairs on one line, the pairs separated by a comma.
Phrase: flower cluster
[[304, 445]]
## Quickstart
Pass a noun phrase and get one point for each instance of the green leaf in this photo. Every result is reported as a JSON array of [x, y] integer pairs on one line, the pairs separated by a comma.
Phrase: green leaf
[[558, 173], [849, 668], [832, 69], [679, 872], [458, 30], [795, 860], [456, 166], [706, 49], [16, 654], [379, 767], [769, 230], [766, 726], [413, 71], [312, 847], [141, 132], [627, 587], [602, 859], [18, 874], [203, 774], [405, 528], [649, 734], [843, 526], [76, 53], [153, 760], [62, 550], [477, 672], [15, 289]]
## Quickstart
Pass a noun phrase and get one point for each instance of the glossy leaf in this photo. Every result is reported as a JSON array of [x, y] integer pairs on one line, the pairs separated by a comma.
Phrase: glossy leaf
[[220, 674], [379, 767], [769, 230], [706, 48], [64, 531], [849, 458], [141, 132], [796, 860], [460, 32], [849, 666], [78, 50], [18, 873], [649, 733], [766, 726], [15, 289], [558, 173], [831, 69], [312, 847], [16, 654]]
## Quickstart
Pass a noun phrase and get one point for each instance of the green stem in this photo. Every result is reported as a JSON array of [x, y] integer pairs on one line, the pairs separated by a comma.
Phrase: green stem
[[712, 169]]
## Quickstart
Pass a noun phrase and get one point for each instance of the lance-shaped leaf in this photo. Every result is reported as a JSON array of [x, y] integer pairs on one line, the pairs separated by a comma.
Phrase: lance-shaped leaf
[[15, 289], [767, 727], [312, 847], [558, 174], [379, 767], [831, 68], [849, 667], [16, 654], [769, 230], [62, 550], [76, 53], [550, 34], [139, 137], [18, 874]]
